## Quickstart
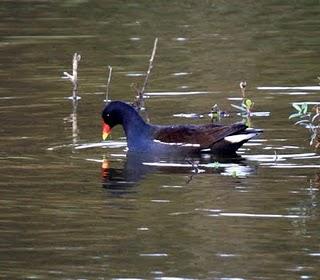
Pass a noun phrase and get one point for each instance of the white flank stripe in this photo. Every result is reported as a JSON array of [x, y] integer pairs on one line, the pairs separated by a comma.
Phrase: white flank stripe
[[239, 137], [177, 144]]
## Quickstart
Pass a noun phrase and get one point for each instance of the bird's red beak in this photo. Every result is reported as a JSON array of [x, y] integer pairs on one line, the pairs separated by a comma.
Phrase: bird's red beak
[[106, 130]]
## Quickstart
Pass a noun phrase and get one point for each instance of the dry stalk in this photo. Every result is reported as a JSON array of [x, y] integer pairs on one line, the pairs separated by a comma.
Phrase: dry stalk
[[108, 84], [74, 77], [243, 85], [140, 97], [150, 67]]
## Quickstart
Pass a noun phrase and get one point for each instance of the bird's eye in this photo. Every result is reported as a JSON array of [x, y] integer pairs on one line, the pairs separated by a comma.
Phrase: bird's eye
[[108, 115]]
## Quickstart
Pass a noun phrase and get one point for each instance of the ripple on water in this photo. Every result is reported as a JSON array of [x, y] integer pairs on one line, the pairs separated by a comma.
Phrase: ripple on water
[[241, 171], [188, 115], [181, 39], [177, 74], [135, 38], [107, 144], [177, 278], [220, 213], [153, 255], [176, 93], [294, 93], [295, 166], [260, 114], [135, 74], [314, 254], [280, 157], [9, 97], [290, 88], [127, 278]]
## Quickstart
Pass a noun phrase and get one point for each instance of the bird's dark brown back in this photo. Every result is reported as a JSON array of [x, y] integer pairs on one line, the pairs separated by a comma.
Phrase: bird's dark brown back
[[204, 135]]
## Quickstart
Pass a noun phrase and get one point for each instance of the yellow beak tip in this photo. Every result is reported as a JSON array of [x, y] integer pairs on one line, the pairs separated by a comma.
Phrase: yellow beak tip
[[105, 136]]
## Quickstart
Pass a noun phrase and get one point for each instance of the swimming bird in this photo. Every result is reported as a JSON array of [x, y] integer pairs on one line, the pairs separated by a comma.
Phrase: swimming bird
[[223, 140]]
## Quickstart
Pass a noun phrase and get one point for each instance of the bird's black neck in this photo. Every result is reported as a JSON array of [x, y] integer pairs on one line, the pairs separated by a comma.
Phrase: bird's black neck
[[136, 129]]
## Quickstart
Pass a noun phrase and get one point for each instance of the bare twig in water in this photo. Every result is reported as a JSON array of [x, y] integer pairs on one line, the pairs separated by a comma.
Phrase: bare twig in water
[[74, 77], [108, 84], [140, 102], [150, 66], [243, 85]]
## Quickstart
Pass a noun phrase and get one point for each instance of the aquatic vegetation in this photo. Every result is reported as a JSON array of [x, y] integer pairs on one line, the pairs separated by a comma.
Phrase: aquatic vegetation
[[302, 111], [309, 119], [245, 109], [215, 113]]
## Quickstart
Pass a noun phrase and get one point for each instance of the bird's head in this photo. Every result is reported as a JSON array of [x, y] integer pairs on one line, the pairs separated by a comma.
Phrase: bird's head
[[112, 115]]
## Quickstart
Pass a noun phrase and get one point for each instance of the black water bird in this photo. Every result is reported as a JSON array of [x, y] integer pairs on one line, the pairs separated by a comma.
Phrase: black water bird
[[143, 137]]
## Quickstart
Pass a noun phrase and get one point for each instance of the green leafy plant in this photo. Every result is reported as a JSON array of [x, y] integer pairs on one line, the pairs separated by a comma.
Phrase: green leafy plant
[[245, 109], [302, 111], [309, 120], [215, 113], [246, 106]]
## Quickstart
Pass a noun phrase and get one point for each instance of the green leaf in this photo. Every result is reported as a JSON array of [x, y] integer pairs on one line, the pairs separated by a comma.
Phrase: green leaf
[[296, 106], [248, 103], [304, 108], [294, 115]]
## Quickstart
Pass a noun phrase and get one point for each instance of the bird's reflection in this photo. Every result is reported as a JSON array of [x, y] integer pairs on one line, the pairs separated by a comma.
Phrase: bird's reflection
[[137, 166]]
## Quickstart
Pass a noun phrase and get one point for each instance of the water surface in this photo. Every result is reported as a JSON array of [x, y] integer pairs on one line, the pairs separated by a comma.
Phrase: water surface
[[63, 216]]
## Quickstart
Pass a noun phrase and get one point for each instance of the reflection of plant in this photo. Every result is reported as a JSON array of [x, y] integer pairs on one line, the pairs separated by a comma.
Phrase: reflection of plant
[[308, 119]]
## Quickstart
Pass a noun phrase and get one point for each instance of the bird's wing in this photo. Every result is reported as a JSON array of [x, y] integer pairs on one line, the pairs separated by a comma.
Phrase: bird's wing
[[202, 135]]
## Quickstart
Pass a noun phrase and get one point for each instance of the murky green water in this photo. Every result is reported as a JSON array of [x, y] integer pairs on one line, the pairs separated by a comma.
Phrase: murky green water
[[62, 217]]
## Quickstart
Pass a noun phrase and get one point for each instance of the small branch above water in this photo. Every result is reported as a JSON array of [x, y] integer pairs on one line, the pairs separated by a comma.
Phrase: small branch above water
[[140, 98], [243, 85], [150, 66], [108, 84], [74, 77]]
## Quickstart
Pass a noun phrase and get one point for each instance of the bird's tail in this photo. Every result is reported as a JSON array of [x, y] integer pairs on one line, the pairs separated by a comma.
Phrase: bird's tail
[[230, 144]]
